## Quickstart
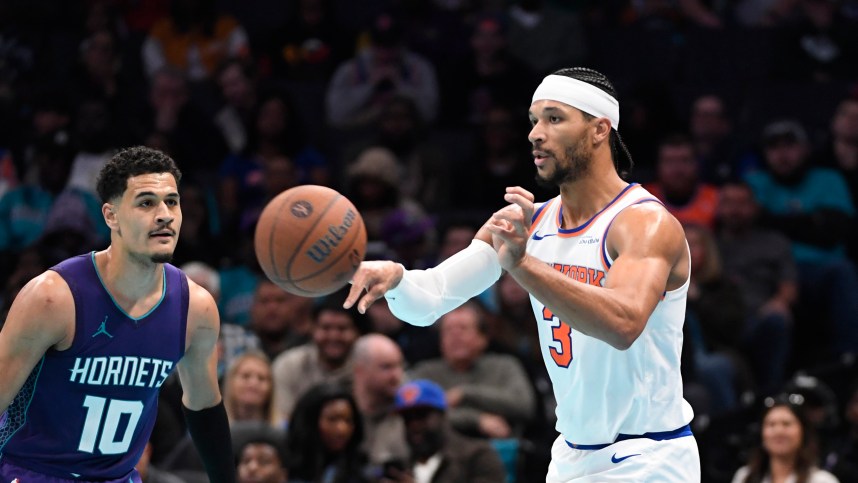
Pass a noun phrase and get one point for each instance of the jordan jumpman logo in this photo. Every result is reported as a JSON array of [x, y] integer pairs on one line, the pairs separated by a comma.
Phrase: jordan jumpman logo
[[102, 329]]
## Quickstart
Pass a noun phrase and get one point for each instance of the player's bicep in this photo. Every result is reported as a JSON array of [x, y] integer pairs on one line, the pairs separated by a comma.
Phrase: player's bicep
[[198, 368], [41, 317]]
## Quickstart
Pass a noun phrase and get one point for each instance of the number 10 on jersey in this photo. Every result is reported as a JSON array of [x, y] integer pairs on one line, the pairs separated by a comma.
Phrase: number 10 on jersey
[[103, 435], [562, 334]]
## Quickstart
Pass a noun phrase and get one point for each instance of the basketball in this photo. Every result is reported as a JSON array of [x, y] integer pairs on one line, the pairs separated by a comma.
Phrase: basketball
[[310, 240]]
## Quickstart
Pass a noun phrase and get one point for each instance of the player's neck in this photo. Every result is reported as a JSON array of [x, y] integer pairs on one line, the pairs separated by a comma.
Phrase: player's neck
[[585, 197], [128, 278]]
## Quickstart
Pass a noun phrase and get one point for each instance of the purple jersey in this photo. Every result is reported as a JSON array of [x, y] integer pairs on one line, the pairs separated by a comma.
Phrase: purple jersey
[[87, 412]]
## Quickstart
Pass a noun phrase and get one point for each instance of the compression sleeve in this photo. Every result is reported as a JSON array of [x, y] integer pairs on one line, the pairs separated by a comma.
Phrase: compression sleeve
[[423, 296], [209, 430]]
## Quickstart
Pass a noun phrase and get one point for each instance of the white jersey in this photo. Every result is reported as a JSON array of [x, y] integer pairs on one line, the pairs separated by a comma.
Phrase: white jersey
[[602, 391]]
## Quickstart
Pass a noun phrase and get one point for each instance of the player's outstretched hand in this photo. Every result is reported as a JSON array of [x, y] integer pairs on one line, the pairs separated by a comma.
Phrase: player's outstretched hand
[[376, 278], [510, 226]]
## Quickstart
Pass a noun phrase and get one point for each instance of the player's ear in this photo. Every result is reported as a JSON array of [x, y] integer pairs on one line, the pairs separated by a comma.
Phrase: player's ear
[[108, 210], [602, 130]]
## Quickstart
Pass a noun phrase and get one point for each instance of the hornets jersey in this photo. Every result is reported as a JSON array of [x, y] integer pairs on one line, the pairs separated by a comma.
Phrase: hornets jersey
[[87, 412], [602, 391]]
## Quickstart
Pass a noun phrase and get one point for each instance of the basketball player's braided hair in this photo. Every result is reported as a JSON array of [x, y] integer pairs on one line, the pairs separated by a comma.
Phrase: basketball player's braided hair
[[618, 147]]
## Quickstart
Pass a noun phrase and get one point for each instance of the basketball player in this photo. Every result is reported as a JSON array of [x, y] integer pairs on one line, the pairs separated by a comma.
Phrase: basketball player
[[607, 269], [88, 343]]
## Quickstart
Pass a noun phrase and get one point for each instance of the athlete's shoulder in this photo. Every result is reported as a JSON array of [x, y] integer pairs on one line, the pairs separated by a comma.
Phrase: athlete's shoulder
[[45, 307], [201, 304], [48, 289], [647, 223]]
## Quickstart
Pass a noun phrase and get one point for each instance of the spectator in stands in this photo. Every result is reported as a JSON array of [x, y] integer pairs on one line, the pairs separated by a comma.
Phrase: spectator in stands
[[489, 76], [424, 169], [312, 44], [362, 85], [327, 358], [713, 140], [416, 343], [438, 453], [372, 184], [24, 210], [325, 436], [378, 373], [97, 75], [841, 153], [819, 45], [237, 83], [787, 450], [276, 134], [248, 390], [262, 458], [679, 186], [501, 159], [811, 206], [715, 321], [760, 262], [489, 395], [843, 462], [541, 26], [151, 474], [188, 132], [200, 238], [280, 320], [195, 39], [239, 276]]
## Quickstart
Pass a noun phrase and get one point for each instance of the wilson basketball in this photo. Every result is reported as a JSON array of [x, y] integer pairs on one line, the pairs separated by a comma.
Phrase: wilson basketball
[[310, 240]]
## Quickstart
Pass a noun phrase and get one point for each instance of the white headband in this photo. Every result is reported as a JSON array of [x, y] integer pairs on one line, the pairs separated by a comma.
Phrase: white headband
[[580, 95]]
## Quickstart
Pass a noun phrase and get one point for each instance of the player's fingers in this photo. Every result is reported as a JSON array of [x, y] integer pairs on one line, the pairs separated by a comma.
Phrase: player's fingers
[[501, 229], [522, 202], [514, 218], [354, 292], [372, 294], [521, 191]]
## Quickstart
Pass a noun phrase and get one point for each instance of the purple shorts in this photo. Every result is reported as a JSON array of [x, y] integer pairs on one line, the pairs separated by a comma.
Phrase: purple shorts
[[10, 473]]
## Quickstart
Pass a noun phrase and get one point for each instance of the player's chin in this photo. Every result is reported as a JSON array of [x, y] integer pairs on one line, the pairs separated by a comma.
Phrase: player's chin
[[164, 256]]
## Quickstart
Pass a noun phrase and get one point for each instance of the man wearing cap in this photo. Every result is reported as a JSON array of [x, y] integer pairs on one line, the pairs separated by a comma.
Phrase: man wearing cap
[[362, 85], [812, 206], [607, 268], [439, 454]]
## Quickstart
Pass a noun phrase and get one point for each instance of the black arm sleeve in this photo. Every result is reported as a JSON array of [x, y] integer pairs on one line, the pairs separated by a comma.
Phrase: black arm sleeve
[[209, 429]]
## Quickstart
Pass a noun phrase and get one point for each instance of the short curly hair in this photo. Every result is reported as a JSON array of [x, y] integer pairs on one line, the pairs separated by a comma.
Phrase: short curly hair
[[130, 162]]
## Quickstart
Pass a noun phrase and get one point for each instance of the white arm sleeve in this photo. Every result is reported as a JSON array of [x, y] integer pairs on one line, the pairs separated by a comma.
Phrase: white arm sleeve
[[423, 296]]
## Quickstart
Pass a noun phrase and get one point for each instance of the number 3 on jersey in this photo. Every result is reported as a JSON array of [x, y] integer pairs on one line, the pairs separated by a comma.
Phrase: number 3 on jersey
[[562, 334]]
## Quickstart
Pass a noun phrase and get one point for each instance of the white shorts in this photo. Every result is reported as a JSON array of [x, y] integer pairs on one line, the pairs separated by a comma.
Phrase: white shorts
[[639, 460]]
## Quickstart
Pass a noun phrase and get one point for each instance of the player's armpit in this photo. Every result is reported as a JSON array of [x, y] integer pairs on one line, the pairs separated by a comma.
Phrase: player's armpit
[[198, 368], [41, 317]]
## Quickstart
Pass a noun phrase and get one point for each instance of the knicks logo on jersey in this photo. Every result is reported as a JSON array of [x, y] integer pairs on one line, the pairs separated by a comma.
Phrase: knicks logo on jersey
[[587, 275], [120, 371]]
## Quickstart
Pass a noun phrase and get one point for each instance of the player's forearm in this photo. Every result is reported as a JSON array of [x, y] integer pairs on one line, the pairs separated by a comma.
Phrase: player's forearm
[[422, 296], [609, 315]]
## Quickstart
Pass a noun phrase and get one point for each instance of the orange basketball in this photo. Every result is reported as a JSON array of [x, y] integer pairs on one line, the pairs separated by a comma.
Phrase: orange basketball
[[310, 240]]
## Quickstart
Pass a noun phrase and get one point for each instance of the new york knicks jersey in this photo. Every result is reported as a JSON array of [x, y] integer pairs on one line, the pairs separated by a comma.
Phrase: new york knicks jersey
[[602, 391], [88, 411]]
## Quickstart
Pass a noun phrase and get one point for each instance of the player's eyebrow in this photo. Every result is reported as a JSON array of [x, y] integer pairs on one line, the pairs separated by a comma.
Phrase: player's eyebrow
[[144, 194], [546, 110]]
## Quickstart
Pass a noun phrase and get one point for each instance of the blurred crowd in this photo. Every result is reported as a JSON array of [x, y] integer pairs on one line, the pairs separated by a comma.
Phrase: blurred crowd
[[742, 117]]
